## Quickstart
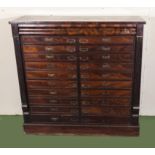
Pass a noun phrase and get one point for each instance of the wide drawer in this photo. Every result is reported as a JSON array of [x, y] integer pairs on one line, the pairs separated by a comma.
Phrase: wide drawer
[[109, 111], [53, 92], [54, 110], [107, 40], [113, 93], [51, 84], [47, 100], [106, 84], [107, 57], [106, 48], [48, 49], [50, 57], [106, 101], [51, 75], [50, 66], [106, 66], [78, 31], [94, 75]]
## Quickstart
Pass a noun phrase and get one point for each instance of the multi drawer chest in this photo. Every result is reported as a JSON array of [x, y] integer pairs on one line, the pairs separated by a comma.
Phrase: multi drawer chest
[[79, 75]]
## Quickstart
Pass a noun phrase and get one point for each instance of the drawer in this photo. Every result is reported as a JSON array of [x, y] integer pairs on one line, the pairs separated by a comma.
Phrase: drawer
[[51, 75], [107, 58], [113, 93], [44, 49], [107, 40], [108, 111], [50, 57], [94, 75], [53, 92], [106, 101], [78, 31], [56, 118], [38, 39], [46, 100], [106, 84], [50, 84], [106, 48], [50, 66], [106, 66], [54, 109]]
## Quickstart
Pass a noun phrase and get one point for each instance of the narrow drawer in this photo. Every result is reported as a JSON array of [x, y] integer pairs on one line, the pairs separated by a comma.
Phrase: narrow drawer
[[106, 101], [38, 39], [126, 58], [31, 84], [106, 49], [106, 111], [44, 49], [105, 76], [113, 93], [53, 92], [54, 109], [50, 57], [51, 75], [107, 66], [50, 66], [107, 40], [106, 84], [46, 100]]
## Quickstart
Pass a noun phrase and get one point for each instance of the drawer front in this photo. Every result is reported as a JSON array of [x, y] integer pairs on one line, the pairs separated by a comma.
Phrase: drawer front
[[106, 84], [107, 40], [106, 101], [107, 58], [114, 93], [46, 100], [35, 49], [105, 76], [31, 39], [54, 110], [106, 49], [51, 75], [106, 111], [79, 31], [53, 92], [50, 66], [107, 66], [50, 84], [50, 57]]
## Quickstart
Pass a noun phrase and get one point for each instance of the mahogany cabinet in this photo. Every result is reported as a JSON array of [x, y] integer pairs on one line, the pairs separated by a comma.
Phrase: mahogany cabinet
[[79, 75]]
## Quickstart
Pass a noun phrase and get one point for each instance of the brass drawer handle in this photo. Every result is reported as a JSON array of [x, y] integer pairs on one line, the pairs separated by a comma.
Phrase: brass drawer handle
[[71, 50], [83, 49], [54, 118], [71, 41], [49, 48], [51, 75], [71, 58], [84, 86], [53, 109], [53, 101], [105, 66], [84, 41], [48, 39], [84, 58], [106, 39], [49, 56], [105, 48], [74, 76], [52, 92], [105, 56]]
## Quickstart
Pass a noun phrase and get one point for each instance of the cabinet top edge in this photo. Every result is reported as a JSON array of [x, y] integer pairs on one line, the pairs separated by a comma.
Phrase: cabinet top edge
[[74, 19]]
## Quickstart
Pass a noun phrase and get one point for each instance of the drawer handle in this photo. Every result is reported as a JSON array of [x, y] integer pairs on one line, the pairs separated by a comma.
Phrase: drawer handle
[[84, 67], [84, 49], [71, 40], [73, 103], [105, 66], [49, 48], [105, 48], [74, 76], [53, 101], [84, 76], [54, 109], [71, 50], [49, 56], [51, 75], [106, 39], [48, 39], [74, 85], [105, 56], [84, 58], [84, 86], [54, 118], [52, 92], [83, 41], [71, 58]]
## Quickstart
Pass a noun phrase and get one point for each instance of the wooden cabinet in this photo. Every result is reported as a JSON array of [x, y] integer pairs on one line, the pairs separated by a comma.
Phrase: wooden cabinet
[[79, 75]]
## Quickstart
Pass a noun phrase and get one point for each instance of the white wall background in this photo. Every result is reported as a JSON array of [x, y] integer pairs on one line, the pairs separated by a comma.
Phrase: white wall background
[[9, 88]]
